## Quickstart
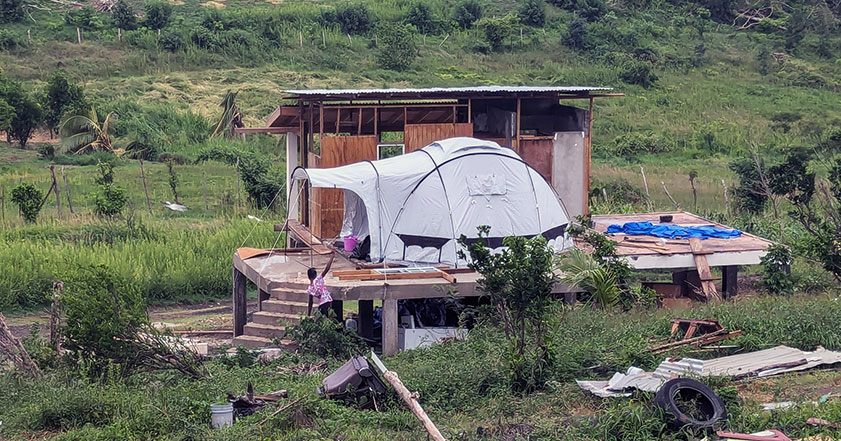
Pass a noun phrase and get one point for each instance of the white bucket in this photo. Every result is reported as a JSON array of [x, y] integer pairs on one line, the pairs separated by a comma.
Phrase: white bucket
[[221, 415]]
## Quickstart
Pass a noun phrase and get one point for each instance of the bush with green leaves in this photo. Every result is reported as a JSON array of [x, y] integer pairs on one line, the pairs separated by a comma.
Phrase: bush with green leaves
[[22, 114], [421, 16], [110, 199], [577, 36], [29, 200], [263, 184], [325, 337], [749, 195], [60, 98], [157, 14], [355, 19], [398, 49], [124, 15], [171, 41], [590, 10], [776, 270], [518, 282], [639, 73], [497, 30], [9, 41], [85, 18], [467, 12], [11, 11], [637, 143], [532, 13]]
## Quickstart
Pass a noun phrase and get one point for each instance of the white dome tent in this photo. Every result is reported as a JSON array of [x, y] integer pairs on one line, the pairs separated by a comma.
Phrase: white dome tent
[[416, 206]]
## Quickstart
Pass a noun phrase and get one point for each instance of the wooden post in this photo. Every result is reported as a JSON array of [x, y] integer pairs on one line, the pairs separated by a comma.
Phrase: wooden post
[[645, 184], [57, 191], [79, 35], [14, 350], [301, 38], [145, 188], [588, 152], [365, 324], [389, 327], [119, 35], [376, 126], [517, 134], [730, 281], [29, 35], [704, 273], [237, 199], [359, 128], [320, 122], [240, 305], [3, 201], [323, 38], [204, 189], [55, 337], [666, 190], [469, 110], [338, 119], [67, 190], [338, 308], [411, 400]]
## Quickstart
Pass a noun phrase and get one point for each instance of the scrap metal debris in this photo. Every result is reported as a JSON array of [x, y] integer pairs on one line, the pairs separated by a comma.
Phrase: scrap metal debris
[[767, 435], [249, 403], [764, 363]]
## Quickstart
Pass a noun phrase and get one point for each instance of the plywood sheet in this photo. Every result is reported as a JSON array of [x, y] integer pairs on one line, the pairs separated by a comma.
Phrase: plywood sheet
[[418, 136], [538, 153]]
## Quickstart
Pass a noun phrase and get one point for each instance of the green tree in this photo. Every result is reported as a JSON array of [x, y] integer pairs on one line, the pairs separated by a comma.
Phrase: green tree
[[518, 282], [7, 114], [27, 113], [59, 97], [355, 19], [86, 133], [577, 36], [397, 47], [157, 14], [532, 13], [111, 199], [29, 200], [421, 16], [591, 10], [497, 29], [124, 16], [467, 12], [11, 11], [639, 73]]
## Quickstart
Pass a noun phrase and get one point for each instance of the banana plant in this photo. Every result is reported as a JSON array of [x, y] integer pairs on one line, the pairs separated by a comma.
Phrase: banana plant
[[87, 134]]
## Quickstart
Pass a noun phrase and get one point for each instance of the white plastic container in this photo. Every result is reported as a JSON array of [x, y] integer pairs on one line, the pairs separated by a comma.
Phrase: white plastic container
[[221, 415]]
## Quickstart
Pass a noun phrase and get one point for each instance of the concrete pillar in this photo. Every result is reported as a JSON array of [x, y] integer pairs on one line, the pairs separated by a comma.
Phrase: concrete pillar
[[261, 297], [240, 304], [389, 327], [292, 151], [570, 171]]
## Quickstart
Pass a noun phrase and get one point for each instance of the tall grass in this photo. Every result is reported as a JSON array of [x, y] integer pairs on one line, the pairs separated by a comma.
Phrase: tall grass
[[168, 260]]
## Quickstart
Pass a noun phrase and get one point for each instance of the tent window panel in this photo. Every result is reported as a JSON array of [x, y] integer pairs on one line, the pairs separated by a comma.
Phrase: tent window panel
[[385, 151], [486, 185]]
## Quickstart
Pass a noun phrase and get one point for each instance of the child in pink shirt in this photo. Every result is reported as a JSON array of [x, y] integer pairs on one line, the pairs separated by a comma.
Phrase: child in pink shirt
[[319, 289]]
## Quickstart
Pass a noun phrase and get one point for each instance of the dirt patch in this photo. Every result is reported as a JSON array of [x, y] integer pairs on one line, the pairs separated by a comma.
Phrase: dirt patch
[[212, 4]]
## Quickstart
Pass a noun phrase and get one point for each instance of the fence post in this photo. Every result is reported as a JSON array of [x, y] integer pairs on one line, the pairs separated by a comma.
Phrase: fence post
[[67, 189], [237, 200], [29, 35], [119, 35], [3, 202], [204, 188], [79, 35], [57, 191], [145, 189]]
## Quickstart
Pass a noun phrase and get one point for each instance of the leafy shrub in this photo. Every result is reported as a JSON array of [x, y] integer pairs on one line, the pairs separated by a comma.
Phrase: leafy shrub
[[46, 151], [28, 199], [205, 39], [638, 143], [749, 195], [261, 184], [577, 36], [532, 13], [111, 199], [171, 41], [355, 19], [20, 114], [172, 158], [422, 17], [497, 29], [776, 265], [124, 16], [61, 97], [11, 11], [326, 337], [86, 18], [397, 47], [591, 10], [99, 308], [639, 73], [157, 14], [9, 41], [467, 12]]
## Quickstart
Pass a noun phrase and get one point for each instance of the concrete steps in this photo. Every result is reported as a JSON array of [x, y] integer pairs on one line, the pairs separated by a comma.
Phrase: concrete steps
[[286, 307], [264, 331], [289, 294], [251, 342], [278, 319]]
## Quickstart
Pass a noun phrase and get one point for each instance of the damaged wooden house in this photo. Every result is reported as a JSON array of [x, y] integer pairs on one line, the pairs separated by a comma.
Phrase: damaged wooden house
[[389, 179]]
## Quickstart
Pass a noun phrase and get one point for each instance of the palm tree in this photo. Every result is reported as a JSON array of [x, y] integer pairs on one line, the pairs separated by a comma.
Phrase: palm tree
[[86, 133], [582, 271], [231, 117]]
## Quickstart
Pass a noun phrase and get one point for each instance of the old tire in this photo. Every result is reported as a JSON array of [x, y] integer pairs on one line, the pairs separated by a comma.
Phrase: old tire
[[687, 402]]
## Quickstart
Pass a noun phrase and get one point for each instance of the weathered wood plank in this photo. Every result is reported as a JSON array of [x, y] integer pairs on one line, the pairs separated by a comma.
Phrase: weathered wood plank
[[704, 273]]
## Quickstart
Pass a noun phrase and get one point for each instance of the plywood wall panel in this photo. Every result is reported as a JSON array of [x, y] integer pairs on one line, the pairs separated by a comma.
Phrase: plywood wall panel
[[538, 153], [418, 136]]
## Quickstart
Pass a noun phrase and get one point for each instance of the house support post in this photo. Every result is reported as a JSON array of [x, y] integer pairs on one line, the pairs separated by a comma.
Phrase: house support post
[[261, 297], [730, 281], [291, 163], [338, 308], [239, 302], [365, 325], [389, 327]]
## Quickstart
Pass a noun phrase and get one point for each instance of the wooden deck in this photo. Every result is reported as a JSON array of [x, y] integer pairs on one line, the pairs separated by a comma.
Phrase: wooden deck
[[746, 249]]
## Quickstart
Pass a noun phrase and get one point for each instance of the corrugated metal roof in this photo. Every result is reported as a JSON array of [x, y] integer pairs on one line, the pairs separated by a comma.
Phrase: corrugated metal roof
[[501, 90]]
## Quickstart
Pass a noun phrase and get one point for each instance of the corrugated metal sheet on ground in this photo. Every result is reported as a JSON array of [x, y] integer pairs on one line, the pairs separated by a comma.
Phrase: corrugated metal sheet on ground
[[756, 363]]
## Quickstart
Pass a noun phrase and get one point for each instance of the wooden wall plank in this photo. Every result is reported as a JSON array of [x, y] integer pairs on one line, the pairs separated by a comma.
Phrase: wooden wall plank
[[418, 136], [539, 154]]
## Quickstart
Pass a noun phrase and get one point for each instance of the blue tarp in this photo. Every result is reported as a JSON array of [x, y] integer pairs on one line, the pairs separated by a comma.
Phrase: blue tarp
[[671, 231]]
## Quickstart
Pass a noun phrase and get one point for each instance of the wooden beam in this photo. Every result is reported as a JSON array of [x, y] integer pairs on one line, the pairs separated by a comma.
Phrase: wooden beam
[[389, 327], [239, 302], [365, 325], [338, 119], [469, 111], [587, 155], [704, 273], [359, 129], [376, 120], [320, 122], [517, 134]]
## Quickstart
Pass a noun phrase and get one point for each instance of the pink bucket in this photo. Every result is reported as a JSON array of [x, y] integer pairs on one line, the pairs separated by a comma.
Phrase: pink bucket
[[350, 242]]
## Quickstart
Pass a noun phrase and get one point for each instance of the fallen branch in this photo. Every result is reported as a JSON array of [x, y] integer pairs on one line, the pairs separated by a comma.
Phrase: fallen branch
[[281, 409], [14, 350], [677, 206]]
